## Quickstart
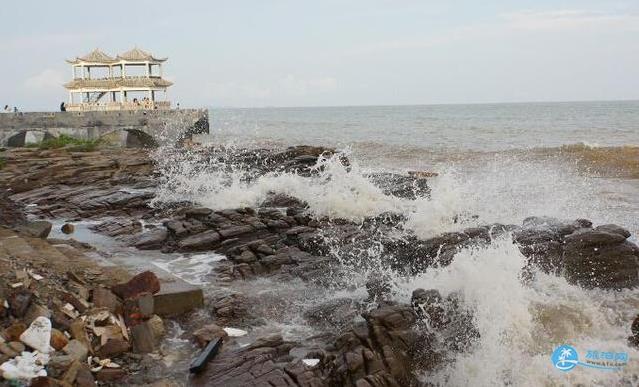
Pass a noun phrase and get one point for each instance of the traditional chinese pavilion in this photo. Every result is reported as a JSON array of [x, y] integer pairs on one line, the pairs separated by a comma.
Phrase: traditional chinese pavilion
[[129, 81]]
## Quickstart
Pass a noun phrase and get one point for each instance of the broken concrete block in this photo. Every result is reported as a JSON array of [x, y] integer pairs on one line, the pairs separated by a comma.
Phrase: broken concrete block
[[176, 298]]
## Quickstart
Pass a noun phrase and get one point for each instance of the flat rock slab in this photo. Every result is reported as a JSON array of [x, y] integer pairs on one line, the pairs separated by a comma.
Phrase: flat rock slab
[[177, 297]]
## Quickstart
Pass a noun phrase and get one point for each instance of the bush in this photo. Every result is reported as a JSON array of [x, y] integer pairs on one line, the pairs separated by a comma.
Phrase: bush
[[66, 141], [3, 162]]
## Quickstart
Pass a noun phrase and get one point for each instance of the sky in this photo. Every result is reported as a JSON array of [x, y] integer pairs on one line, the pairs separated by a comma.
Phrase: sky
[[260, 53]]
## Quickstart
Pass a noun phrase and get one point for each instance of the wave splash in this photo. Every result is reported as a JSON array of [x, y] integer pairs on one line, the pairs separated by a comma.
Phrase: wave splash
[[519, 322]]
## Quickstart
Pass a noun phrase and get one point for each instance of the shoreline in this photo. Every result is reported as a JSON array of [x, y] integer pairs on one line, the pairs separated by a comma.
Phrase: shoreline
[[366, 336]]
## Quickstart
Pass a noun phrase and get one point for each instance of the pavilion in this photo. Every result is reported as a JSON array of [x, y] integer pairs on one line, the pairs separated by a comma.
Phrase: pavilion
[[129, 81]]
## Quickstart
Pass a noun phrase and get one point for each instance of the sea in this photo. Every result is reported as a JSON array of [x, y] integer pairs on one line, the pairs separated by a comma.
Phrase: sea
[[489, 163], [508, 160], [494, 163]]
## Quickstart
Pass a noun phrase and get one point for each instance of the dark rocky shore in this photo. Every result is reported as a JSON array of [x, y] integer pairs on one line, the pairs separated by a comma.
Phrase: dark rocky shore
[[380, 343]]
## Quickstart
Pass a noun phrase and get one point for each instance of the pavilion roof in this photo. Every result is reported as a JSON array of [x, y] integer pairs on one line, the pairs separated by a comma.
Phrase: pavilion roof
[[139, 55], [115, 83], [95, 56]]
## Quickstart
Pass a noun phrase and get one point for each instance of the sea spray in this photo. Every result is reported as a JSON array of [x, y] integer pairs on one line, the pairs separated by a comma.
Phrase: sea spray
[[521, 322]]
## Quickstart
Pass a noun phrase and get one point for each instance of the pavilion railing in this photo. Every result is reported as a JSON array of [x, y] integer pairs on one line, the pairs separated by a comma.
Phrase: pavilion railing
[[116, 106]]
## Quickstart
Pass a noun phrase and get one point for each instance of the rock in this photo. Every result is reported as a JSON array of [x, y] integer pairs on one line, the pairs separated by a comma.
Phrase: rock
[[614, 229], [197, 212], [176, 298], [207, 333], [110, 374], [157, 327], [145, 282], [17, 346], [596, 258], [7, 350], [37, 229], [35, 311], [235, 231], [335, 313], [151, 240], [38, 335], [13, 332], [84, 378], [72, 372], [202, 241], [58, 340], [19, 302], [138, 309], [142, 338], [104, 298], [44, 381], [77, 350], [633, 340], [59, 364], [113, 348], [67, 228], [77, 329]]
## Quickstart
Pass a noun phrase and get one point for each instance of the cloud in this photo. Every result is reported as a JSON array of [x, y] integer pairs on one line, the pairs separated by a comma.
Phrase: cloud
[[569, 19], [46, 81]]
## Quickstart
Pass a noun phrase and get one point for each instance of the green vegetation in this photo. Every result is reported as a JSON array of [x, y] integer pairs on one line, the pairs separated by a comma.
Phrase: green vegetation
[[3, 162], [65, 141]]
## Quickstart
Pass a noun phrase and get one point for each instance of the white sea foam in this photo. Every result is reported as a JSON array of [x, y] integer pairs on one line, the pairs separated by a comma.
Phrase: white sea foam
[[520, 324]]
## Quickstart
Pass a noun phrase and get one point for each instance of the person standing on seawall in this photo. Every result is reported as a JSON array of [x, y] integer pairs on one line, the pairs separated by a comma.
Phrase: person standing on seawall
[[63, 107]]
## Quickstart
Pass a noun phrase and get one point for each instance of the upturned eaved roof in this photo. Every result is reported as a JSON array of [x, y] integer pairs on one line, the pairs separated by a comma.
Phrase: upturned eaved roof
[[95, 56], [139, 55], [115, 83]]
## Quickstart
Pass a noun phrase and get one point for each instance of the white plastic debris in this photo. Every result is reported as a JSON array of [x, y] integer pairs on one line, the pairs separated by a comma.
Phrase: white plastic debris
[[16, 285], [311, 362], [29, 365], [38, 335], [235, 332]]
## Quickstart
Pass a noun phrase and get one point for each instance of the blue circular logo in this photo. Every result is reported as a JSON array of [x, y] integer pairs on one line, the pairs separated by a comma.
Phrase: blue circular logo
[[565, 358]]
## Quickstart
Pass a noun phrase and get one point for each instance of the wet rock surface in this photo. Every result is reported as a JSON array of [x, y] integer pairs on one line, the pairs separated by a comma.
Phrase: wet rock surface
[[365, 341]]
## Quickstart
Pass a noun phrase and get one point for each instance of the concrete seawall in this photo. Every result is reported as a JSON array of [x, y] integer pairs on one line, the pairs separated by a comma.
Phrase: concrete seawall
[[130, 128]]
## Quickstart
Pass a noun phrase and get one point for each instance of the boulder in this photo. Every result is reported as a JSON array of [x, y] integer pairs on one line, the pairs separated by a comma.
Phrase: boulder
[[145, 282], [601, 258]]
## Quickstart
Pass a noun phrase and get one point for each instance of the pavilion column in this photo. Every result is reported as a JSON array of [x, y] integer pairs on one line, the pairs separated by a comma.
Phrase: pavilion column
[[123, 71], [147, 69]]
